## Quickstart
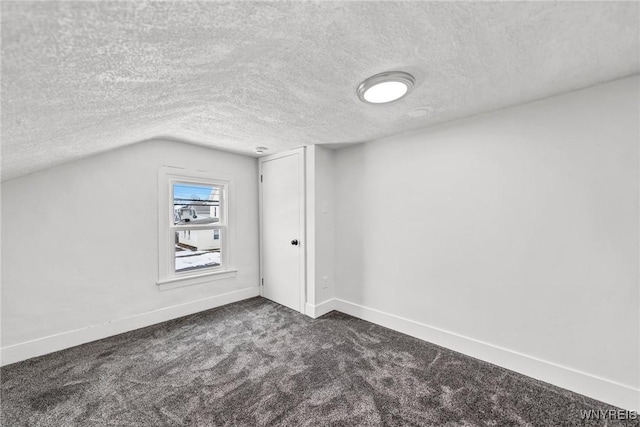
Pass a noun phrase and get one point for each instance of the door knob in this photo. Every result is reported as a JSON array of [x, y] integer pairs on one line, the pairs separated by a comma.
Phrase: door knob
[[294, 242]]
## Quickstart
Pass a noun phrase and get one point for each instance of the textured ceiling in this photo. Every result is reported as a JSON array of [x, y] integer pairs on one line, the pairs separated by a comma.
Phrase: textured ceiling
[[83, 77]]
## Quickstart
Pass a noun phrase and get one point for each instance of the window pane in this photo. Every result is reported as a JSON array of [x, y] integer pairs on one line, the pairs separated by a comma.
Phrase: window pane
[[197, 249], [195, 204]]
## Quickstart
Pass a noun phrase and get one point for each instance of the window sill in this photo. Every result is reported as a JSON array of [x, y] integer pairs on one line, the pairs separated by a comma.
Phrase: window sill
[[178, 282]]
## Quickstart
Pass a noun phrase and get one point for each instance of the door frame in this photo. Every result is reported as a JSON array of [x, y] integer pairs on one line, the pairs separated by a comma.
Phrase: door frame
[[303, 221]]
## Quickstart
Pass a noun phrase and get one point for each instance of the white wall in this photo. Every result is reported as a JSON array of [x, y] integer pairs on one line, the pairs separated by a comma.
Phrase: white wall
[[320, 228], [518, 229], [91, 256], [325, 245]]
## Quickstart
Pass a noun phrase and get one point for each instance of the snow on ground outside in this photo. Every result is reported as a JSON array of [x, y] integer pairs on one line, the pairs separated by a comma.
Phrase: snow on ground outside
[[185, 252], [193, 259]]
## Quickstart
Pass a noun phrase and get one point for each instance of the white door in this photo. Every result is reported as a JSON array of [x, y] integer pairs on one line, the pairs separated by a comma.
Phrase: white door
[[282, 228]]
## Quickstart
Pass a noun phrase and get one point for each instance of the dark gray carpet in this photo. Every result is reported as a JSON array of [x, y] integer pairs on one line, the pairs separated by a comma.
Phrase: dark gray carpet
[[256, 363]]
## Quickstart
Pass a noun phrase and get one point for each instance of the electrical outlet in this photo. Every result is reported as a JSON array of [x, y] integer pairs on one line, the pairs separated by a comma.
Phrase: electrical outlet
[[325, 282]]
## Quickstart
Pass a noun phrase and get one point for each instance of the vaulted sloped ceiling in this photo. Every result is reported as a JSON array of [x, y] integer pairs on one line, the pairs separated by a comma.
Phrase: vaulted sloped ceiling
[[83, 77]]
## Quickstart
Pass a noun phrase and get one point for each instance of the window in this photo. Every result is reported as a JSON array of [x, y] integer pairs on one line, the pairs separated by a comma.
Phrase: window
[[196, 207], [194, 228]]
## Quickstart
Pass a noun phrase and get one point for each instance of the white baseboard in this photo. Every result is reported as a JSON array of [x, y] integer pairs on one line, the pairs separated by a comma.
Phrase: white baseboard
[[38, 347], [321, 309], [607, 391]]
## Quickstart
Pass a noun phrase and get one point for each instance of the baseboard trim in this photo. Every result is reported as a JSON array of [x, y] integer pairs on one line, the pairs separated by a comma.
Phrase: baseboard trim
[[607, 391], [321, 309], [40, 346]]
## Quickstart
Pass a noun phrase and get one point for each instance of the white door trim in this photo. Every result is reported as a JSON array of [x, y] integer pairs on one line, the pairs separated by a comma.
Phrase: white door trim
[[302, 232]]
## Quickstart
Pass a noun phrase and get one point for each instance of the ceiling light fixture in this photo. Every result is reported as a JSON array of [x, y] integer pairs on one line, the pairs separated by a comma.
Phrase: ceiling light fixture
[[261, 150], [385, 87]]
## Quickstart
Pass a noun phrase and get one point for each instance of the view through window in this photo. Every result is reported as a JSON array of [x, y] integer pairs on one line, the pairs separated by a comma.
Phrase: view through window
[[198, 225]]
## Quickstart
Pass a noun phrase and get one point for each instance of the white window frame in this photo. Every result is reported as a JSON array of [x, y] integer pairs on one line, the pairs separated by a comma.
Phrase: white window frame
[[168, 278]]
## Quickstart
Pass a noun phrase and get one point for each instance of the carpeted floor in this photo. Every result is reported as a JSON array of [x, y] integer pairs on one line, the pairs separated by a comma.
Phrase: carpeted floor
[[256, 363]]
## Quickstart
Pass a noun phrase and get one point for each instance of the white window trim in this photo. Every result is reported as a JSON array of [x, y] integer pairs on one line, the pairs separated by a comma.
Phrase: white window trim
[[167, 277], [196, 279]]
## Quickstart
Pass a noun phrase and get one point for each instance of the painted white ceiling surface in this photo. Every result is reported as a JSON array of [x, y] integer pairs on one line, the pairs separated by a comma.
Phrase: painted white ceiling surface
[[83, 77]]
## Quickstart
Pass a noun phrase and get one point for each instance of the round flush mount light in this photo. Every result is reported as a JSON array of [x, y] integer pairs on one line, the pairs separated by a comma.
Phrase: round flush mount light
[[386, 87], [261, 150]]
